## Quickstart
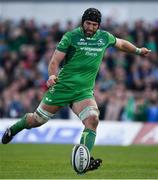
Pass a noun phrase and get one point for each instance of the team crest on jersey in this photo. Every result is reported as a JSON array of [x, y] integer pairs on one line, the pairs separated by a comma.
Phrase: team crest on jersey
[[100, 42]]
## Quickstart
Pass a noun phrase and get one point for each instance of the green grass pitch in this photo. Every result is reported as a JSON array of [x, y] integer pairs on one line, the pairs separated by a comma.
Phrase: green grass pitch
[[48, 161]]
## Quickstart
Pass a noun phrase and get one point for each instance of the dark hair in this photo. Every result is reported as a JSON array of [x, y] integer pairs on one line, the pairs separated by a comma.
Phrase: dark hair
[[92, 14]]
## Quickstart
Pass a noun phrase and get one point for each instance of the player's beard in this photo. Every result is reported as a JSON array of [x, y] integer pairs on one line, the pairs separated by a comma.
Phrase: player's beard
[[89, 33]]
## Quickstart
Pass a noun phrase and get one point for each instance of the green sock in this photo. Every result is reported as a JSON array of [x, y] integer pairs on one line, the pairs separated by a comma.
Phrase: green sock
[[19, 126], [88, 138]]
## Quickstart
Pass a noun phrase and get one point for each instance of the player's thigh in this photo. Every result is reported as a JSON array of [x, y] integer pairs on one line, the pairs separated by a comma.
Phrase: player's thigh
[[79, 106], [51, 101], [45, 112], [49, 108]]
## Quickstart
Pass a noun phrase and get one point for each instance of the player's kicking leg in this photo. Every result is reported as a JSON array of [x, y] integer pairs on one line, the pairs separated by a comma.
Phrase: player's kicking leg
[[31, 120]]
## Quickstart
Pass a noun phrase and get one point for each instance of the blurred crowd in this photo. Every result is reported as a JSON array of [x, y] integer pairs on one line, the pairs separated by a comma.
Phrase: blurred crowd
[[126, 85]]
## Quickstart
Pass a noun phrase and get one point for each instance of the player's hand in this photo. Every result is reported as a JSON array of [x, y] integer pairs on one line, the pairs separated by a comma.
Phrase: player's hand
[[145, 51], [51, 81]]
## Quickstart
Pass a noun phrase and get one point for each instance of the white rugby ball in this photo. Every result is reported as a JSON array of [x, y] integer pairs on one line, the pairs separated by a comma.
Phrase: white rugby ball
[[80, 158]]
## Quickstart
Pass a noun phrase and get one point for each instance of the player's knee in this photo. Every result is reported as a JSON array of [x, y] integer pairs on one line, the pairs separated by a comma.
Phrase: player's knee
[[32, 120], [91, 122], [42, 116], [94, 120], [90, 116]]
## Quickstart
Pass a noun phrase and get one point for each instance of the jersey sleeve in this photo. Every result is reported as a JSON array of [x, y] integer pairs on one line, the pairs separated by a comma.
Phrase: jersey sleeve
[[64, 43], [112, 39]]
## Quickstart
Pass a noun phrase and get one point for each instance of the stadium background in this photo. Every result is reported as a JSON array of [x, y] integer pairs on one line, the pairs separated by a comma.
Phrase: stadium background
[[126, 85]]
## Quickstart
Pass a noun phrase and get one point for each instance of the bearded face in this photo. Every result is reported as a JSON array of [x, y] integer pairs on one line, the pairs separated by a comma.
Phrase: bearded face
[[90, 28]]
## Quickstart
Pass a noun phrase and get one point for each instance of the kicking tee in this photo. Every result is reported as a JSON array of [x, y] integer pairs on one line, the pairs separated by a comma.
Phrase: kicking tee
[[83, 58]]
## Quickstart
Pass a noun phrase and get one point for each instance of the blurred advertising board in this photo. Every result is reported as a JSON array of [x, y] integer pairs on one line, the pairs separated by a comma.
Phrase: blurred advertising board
[[147, 135], [69, 132]]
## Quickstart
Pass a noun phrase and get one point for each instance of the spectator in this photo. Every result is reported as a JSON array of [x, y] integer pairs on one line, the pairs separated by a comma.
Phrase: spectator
[[152, 111], [141, 106]]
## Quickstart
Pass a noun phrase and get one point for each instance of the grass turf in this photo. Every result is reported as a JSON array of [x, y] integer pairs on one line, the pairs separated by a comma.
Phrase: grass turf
[[46, 161]]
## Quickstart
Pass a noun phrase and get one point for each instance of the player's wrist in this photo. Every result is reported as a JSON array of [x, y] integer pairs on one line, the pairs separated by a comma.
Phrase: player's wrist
[[52, 76], [138, 51]]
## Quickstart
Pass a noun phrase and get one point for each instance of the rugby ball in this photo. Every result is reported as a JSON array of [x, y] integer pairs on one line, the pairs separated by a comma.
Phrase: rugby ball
[[80, 159]]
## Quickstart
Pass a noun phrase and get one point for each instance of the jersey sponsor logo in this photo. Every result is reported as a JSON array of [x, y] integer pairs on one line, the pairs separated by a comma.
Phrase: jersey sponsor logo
[[91, 54], [91, 49], [82, 42]]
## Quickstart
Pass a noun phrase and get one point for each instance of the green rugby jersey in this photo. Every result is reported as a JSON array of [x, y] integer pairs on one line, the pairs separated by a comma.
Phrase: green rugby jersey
[[83, 59]]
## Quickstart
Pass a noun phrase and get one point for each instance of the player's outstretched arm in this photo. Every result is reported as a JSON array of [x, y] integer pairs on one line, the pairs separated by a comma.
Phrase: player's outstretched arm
[[128, 47], [53, 67]]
